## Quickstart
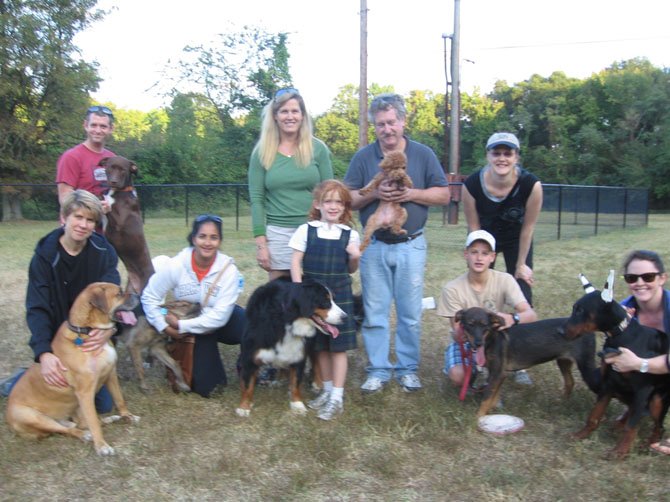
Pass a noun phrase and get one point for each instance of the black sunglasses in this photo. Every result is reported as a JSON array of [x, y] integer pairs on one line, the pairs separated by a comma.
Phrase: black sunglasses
[[648, 277], [208, 217], [288, 90], [100, 109]]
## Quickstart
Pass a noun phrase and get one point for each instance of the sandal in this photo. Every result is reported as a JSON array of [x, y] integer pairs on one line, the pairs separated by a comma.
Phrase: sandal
[[661, 447]]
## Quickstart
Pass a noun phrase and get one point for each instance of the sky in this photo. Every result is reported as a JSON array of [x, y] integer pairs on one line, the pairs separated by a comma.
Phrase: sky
[[499, 40]]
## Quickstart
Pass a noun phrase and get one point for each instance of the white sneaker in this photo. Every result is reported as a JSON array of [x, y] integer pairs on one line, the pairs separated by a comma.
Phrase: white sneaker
[[331, 409], [410, 382], [522, 377], [372, 384], [319, 401]]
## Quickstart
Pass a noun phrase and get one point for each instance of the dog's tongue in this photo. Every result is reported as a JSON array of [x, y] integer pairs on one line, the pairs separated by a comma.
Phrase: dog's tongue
[[126, 317], [480, 358], [334, 332]]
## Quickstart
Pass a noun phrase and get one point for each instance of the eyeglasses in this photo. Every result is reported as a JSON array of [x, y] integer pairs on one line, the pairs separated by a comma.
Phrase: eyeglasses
[[648, 277], [100, 109], [504, 153], [208, 217], [288, 90]]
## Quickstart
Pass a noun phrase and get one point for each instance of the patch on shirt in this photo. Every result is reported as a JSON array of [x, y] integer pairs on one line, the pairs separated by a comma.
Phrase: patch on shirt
[[99, 174]]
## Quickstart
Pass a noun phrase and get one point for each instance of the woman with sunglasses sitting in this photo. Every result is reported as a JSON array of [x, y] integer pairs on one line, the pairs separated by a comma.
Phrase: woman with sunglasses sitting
[[286, 164], [645, 275], [202, 274]]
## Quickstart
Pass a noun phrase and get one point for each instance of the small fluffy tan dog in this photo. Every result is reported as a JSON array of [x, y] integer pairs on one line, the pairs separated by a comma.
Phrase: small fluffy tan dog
[[389, 215]]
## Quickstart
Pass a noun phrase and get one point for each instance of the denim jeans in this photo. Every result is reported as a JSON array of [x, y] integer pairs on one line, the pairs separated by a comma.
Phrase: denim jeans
[[393, 272]]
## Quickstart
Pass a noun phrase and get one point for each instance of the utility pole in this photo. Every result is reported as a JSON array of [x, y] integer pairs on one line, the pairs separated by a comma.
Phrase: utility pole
[[455, 123], [445, 159], [363, 83]]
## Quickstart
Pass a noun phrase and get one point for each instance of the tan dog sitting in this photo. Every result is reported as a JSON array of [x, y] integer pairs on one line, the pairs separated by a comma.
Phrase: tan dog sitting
[[36, 409], [389, 215]]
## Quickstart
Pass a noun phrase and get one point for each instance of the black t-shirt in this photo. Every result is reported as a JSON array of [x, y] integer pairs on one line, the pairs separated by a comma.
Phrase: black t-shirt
[[502, 218], [73, 271]]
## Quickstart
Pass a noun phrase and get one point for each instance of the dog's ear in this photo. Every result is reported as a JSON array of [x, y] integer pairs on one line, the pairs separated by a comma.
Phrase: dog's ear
[[459, 315], [607, 293], [496, 321], [98, 299], [104, 161], [133, 168]]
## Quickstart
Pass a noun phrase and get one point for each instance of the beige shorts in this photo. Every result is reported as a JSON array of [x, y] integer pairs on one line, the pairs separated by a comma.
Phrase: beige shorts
[[280, 252]]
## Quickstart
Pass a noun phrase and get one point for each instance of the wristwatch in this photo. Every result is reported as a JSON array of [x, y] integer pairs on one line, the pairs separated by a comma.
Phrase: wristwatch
[[644, 366], [516, 318]]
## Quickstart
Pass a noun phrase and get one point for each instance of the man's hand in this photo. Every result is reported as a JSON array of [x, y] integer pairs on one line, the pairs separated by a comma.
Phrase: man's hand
[[97, 339], [389, 192], [52, 370]]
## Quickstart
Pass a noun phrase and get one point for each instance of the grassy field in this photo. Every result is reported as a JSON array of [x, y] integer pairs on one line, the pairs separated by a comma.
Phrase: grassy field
[[388, 446]]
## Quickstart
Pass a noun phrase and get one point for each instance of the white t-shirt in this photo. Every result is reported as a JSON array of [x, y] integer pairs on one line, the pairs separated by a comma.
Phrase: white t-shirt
[[324, 231]]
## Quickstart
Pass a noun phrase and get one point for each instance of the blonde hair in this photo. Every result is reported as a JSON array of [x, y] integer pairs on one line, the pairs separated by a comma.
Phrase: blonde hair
[[81, 199], [322, 190], [268, 142]]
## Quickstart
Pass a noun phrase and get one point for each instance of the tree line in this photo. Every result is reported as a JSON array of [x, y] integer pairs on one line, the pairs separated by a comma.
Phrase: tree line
[[611, 128]]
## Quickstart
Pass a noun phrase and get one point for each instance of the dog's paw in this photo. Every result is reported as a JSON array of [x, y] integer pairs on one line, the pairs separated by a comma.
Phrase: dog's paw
[[133, 419], [241, 412], [87, 436], [298, 407], [105, 450], [110, 419]]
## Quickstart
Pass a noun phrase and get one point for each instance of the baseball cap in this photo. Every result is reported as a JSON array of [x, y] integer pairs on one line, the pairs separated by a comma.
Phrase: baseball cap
[[503, 139], [481, 235]]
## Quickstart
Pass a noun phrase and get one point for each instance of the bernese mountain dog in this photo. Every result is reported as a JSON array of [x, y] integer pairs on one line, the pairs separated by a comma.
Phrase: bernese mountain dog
[[282, 318]]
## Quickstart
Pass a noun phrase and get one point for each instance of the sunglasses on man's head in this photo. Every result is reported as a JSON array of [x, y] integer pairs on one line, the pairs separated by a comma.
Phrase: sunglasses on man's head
[[288, 90], [208, 217], [100, 109], [648, 277]]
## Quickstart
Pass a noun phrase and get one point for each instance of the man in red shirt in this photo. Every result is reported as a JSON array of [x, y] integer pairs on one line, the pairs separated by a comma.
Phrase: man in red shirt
[[78, 166]]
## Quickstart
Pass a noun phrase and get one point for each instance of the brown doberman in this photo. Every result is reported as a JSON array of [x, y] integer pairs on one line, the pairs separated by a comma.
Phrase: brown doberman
[[125, 229], [525, 345]]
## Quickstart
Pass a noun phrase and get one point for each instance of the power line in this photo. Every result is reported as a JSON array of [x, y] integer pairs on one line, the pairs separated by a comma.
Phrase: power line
[[583, 42]]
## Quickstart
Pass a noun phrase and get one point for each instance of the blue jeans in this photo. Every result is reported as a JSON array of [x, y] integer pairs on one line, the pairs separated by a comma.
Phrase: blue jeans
[[393, 272]]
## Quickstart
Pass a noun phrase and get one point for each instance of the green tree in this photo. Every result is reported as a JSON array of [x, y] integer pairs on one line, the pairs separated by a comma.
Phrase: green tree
[[41, 82]]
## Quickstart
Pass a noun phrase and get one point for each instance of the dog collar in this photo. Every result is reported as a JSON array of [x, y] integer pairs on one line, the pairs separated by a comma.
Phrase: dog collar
[[80, 330], [622, 326], [83, 330]]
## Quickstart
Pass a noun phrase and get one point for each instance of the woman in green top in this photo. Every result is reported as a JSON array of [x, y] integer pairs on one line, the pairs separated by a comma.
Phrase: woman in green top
[[286, 164]]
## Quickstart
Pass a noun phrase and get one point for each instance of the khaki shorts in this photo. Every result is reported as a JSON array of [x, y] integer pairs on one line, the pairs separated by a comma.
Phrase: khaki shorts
[[280, 252]]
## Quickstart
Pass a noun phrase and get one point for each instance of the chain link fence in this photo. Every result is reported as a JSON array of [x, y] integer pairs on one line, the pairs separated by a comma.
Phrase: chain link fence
[[568, 211]]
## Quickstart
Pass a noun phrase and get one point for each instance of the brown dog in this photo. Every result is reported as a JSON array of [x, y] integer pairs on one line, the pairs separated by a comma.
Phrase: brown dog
[[125, 229], [36, 409], [389, 215], [144, 335], [523, 346]]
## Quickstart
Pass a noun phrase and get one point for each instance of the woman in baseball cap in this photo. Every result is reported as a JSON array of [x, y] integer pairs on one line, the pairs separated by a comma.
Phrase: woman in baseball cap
[[505, 200]]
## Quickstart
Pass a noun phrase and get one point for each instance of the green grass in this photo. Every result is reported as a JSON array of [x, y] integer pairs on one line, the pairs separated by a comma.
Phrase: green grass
[[388, 446]]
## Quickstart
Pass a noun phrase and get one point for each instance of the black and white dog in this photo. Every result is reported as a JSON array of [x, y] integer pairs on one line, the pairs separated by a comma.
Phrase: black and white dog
[[282, 318]]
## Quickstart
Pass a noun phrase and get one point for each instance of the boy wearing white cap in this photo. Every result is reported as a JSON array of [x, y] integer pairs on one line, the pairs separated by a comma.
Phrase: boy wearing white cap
[[480, 286]]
